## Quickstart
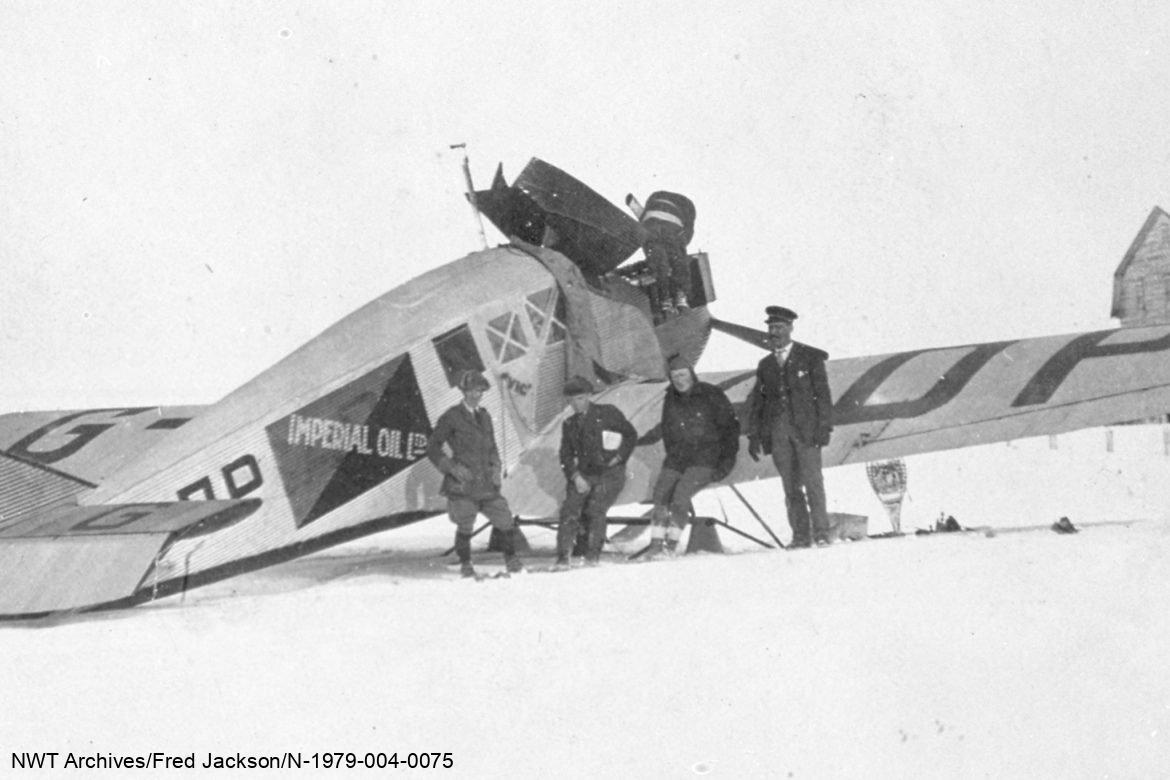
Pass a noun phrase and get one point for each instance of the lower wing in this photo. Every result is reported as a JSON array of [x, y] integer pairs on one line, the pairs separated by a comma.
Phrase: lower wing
[[72, 557]]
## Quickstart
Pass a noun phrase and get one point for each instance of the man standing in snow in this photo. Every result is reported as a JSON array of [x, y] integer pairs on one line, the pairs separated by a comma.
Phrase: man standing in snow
[[790, 416], [596, 442], [471, 472], [700, 434]]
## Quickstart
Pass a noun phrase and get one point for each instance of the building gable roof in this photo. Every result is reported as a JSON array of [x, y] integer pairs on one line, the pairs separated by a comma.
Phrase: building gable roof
[[1156, 215]]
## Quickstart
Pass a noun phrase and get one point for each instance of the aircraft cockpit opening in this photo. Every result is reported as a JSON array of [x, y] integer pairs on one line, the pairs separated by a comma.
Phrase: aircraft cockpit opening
[[699, 292], [618, 257]]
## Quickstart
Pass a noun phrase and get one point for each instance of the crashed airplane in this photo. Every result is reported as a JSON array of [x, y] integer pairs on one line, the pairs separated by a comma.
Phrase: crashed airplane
[[104, 508]]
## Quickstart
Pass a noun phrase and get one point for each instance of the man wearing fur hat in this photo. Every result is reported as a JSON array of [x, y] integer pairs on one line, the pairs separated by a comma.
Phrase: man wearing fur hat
[[596, 442], [471, 472], [790, 416], [700, 434]]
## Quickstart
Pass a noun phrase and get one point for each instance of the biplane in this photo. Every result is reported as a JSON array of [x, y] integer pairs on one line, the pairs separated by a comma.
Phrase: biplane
[[111, 507]]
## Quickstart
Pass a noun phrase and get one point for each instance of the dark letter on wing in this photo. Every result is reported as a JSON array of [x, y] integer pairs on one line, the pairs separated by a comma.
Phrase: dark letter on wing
[[1045, 382]]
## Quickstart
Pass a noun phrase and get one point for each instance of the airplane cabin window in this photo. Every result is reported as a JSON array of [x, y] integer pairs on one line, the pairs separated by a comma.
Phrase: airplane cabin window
[[546, 312], [506, 335], [537, 307], [557, 332], [457, 352]]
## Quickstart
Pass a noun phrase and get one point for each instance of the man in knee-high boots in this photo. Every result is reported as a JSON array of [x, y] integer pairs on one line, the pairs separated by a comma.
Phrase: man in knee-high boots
[[463, 447]]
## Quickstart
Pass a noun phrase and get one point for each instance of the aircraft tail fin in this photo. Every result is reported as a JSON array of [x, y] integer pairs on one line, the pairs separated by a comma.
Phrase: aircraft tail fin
[[26, 485], [75, 558]]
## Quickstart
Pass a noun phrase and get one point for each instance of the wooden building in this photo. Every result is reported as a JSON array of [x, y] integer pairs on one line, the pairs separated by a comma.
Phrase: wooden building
[[1141, 287], [1141, 283]]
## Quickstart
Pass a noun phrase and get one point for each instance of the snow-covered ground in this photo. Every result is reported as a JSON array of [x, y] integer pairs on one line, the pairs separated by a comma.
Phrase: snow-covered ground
[[1008, 655]]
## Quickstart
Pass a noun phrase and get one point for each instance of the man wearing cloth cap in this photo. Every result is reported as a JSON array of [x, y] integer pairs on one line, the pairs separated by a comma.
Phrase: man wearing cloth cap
[[790, 416], [471, 473], [596, 442], [701, 437]]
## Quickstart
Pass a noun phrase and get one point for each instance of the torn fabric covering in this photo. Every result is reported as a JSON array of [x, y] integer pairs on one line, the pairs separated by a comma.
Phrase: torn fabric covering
[[610, 331], [511, 210], [582, 225]]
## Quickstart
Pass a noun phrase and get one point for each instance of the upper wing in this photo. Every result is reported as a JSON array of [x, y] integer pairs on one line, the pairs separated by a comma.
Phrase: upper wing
[[913, 402], [1003, 390], [945, 398]]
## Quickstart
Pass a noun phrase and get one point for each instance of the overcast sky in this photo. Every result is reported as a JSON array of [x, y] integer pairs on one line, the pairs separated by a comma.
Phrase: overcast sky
[[190, 191]]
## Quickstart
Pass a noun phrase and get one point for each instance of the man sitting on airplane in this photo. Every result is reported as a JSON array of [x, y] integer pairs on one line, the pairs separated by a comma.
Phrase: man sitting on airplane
[[471, 474], [700, 434], [596, 442], [667, 225]]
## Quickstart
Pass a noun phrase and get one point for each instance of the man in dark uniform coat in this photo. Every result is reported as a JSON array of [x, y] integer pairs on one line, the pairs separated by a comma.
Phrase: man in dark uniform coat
[[596, 442], [471, 472], [790, 416]]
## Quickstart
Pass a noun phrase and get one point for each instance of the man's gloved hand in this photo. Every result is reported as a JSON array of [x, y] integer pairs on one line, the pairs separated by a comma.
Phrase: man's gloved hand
[[821, 439], [461, 472], [754, 448]]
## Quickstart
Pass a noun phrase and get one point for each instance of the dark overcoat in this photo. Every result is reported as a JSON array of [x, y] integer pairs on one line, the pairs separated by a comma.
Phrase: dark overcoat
[[472, 442], [799, 391], [699, 428]]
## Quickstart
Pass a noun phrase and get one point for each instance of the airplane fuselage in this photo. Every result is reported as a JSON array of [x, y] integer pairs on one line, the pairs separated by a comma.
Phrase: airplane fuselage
[[332, 438]]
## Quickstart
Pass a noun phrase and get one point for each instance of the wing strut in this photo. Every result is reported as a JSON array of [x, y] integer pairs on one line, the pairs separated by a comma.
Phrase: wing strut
[[756, 515], [757, 338]]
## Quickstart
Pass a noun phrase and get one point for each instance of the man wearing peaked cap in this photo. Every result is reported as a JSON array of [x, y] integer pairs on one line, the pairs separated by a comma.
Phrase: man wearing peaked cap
[[790, 417], [463, 447], [596, 442], [779, 314]]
